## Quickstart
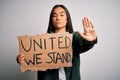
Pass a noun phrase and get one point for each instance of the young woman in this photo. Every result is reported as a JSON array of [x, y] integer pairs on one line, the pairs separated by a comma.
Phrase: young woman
[[60, 21]]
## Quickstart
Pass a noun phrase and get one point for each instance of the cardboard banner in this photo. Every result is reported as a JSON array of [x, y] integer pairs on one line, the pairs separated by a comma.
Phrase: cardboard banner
[[46, 51]]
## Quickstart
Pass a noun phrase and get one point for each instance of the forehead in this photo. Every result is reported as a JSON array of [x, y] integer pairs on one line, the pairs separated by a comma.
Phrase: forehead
[[58, 10]]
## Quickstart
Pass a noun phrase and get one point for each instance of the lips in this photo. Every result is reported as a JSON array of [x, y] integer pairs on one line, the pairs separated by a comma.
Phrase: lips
[[58, 22]]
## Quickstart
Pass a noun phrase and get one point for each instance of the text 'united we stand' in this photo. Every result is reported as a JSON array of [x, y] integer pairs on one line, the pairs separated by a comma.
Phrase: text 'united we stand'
[[46, 51]]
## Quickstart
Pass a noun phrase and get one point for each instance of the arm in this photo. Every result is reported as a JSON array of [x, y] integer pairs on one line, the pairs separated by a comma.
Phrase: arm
[[81, 45], [82, 42]]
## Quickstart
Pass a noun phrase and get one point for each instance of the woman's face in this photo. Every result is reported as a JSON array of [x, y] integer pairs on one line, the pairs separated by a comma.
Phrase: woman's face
[[59, 18]]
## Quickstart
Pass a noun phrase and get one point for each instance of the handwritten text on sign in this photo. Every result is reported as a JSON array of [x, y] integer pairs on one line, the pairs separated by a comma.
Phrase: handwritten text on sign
[[46, 51]]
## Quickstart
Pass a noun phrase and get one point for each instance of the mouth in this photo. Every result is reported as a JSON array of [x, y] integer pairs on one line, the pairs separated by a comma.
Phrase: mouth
[[58, 22]]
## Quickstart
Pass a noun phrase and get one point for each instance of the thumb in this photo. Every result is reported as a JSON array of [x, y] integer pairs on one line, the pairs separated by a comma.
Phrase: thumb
[[82, 35]]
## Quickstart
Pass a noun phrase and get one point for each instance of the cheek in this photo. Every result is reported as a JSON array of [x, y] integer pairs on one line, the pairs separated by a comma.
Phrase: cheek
[[65, 21], [53, 20]]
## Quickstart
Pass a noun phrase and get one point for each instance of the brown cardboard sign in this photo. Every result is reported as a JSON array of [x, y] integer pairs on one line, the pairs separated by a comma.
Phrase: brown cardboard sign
[[46, 51]]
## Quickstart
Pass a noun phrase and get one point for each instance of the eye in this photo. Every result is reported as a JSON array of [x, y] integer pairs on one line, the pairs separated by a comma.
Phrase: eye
[[54, 15], [62, 15]]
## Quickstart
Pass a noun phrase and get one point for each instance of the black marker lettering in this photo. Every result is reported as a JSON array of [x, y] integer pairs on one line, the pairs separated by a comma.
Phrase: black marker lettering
[[59, 42], [58, 57], [52, 41], [29, 46], [38, 44], [67, 57], [31, 61], [67, 42], [45, 43], [52, 57], [38, 58]]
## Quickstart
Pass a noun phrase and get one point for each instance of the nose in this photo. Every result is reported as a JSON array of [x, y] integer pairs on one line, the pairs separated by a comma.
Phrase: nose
[[58, 17]]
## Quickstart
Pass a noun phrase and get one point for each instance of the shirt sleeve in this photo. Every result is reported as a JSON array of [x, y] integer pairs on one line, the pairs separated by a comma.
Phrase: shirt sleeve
[[80, 45]]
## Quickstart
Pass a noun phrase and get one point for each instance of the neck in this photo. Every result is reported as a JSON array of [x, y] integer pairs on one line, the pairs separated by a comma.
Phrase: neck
[[60, 30]]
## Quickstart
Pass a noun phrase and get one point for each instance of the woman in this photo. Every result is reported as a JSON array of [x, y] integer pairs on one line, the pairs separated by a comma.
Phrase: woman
[[60, 21]]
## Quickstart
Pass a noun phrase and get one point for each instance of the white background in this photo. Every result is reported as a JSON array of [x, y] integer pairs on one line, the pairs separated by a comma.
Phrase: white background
[[19, 17]]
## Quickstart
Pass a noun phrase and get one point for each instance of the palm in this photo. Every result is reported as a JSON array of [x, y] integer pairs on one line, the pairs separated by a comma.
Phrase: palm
[[89, 30]]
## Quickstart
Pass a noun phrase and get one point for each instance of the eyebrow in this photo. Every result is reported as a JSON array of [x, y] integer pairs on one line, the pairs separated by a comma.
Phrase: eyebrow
[[60, 12]]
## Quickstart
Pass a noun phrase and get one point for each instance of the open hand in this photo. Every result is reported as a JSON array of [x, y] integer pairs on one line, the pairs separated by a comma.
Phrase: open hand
[[89, 30]]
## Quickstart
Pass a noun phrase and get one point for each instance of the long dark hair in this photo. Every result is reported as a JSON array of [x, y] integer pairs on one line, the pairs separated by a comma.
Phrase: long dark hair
[[51, 28]]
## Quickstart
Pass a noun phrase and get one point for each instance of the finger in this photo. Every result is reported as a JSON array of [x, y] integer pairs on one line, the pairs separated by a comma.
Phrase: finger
[[21, 60], [91, 24], [82, 34], [84, 24], [88, 22], [85, 21], [20, 56], [17, 59]]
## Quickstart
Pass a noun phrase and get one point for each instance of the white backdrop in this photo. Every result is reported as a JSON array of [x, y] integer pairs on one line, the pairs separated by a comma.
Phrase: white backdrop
[[19, 17]]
